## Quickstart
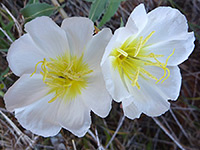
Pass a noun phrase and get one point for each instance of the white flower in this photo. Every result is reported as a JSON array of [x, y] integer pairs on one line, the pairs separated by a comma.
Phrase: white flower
[[60, 76], [140, 61]]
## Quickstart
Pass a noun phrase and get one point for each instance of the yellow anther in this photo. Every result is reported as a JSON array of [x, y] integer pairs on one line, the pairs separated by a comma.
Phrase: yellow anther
[[125, 54]]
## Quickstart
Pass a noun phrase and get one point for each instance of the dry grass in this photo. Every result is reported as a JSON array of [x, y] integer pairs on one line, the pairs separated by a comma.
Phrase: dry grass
[[179, 128]]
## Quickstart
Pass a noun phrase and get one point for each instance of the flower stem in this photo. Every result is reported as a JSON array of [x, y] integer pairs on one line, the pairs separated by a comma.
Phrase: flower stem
[[61, 10]]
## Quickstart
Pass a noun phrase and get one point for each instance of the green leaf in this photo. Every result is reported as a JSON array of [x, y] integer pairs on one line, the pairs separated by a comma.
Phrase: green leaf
[[89, 0], [97, 8], [32, 2], [3, 43], [110, 11], [108, 137], [1, 93], [149, 145], [4, 50], [122, 23], [1, 86], [32, 11], [7, 28]]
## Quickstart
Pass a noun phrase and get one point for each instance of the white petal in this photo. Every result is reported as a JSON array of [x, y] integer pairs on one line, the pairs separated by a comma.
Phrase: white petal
[[40, 117], [183, 48], [138, 19], [48, 36], [114, 83], [96, 96], [153, 98], [168, 24], [79, 32], [170, 88], [127, 101], [25, 91], [74, 116], [131, 111], [96, 48], [119, 37], [23, 55]]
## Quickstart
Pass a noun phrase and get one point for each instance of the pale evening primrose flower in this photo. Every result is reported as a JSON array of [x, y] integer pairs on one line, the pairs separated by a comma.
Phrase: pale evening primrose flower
[[140, 61], [60, 76]]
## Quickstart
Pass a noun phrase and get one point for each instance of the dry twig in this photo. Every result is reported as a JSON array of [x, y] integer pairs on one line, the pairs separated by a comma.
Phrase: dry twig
[[168, 134], [116, 131], [7, 36], [21, 135], [19, 29]]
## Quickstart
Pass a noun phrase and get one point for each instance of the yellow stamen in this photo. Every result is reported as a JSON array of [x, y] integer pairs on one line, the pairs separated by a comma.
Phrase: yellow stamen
[[53, 99], [151, 55], [138, 47], [132, 57], [168, 74], [122, 52], [147, 38], [137, 85], [135, 78], [66, 76], [148, 74], [169, 57], [36, 67], [128, 42]]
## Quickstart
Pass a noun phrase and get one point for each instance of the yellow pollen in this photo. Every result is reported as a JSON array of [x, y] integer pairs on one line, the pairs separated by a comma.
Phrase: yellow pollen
[[66, 76], [131, 58]]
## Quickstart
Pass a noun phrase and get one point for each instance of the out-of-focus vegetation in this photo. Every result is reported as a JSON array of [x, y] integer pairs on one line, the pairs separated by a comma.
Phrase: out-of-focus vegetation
[[178, 128]]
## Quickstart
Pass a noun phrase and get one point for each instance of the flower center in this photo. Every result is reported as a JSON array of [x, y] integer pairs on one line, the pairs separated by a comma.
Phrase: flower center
[[131, 58], [66, 76]]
